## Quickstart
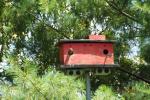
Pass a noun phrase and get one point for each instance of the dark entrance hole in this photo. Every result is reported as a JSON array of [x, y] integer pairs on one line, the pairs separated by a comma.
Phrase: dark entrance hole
[[78, 72], [105, 51], [70, 72], [70, 52], [106, 70], [100, 70]]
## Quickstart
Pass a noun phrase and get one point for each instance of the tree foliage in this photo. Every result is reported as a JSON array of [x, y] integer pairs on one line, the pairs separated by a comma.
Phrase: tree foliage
[[36, 26], [28, 86], [31, 29]]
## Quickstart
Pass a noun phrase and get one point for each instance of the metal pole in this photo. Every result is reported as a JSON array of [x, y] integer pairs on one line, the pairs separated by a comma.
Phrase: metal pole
[[88, 87]]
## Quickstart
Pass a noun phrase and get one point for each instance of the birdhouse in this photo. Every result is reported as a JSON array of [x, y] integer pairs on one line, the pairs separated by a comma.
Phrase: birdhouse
[[94, 52]]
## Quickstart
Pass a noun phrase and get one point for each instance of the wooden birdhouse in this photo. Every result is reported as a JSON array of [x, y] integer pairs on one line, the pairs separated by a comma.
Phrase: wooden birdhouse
[[94, 52]]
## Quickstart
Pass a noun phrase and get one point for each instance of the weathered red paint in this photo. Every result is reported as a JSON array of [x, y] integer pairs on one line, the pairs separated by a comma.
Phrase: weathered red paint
[[87, 53]]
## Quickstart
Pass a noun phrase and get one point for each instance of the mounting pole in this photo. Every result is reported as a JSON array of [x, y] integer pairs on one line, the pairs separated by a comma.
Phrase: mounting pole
[[88, 87]]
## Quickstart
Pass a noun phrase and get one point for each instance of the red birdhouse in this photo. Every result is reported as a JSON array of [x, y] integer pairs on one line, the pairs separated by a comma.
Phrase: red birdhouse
[[93, 52]]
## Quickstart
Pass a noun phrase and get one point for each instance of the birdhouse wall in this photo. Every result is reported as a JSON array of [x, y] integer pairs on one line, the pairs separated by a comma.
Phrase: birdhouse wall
[[87, 53]]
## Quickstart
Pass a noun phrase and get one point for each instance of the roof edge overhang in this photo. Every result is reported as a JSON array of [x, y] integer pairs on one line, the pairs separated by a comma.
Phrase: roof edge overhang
[[85, 41]]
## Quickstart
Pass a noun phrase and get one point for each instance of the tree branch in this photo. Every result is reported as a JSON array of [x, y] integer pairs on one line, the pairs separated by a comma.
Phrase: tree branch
[[54, 29], [1, 52], [103, 30], [114, 6]]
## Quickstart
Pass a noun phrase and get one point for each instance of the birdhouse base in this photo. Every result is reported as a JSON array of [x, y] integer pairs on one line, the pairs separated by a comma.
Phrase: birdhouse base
[[93, 69], [83, 66]]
